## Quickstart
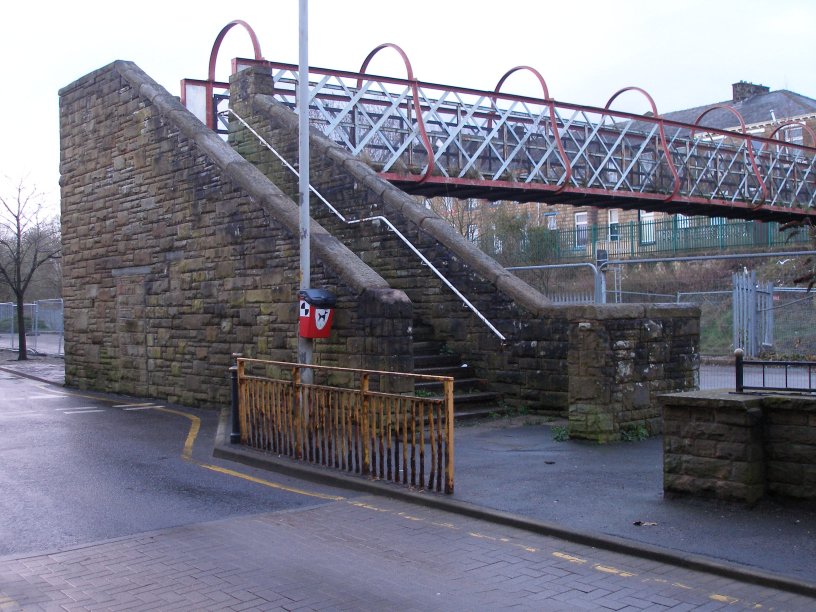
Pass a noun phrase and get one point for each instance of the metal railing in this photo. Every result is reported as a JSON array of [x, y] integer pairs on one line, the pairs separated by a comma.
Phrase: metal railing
[[433, 138], [44, 326], [790, 376], [364, 426], [377, 219], [652, 238]]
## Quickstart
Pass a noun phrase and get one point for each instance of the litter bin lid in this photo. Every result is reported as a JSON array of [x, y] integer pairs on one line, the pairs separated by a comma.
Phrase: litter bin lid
[[318, 297]]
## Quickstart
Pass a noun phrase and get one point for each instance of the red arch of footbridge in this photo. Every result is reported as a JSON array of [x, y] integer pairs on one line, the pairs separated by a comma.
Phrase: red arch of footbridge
[[661, 131], [423, 134], [256, 48], [788, 124], [553, 121], [745, 134]]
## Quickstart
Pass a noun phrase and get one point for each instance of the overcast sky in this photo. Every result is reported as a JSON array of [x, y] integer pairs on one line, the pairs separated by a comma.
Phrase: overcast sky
[[684, 53]]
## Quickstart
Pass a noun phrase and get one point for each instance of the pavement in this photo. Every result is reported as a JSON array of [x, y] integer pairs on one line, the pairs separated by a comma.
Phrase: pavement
[[512, 472]]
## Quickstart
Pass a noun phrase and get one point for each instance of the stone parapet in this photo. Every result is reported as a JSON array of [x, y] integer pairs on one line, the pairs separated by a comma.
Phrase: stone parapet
[[739, 447]]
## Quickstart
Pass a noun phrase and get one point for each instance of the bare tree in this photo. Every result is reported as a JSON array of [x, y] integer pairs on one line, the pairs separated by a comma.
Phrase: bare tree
[[463, 215], [28, 239]]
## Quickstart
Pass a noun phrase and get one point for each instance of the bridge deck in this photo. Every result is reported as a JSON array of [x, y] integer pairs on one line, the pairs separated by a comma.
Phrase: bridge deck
[[432, 139]]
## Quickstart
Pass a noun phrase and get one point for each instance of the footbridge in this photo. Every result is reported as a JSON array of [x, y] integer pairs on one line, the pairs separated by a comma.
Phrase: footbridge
[[431, 139]]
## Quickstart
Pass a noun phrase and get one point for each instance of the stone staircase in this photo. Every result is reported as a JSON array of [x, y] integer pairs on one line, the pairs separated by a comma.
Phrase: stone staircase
[[471, 397]]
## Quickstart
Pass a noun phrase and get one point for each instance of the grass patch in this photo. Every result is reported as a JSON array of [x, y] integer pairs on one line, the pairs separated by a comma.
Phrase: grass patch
[[634, 433], [560, 433]]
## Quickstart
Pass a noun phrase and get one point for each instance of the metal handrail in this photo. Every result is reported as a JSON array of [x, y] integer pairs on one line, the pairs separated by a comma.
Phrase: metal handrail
[[380, 218]]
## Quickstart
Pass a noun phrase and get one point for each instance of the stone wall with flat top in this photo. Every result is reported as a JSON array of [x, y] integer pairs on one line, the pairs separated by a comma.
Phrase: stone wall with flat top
[[739, 446]]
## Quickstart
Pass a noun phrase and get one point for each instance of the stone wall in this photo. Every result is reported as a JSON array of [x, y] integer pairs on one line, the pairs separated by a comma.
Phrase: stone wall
[[178, 253], [605, 378], [739, 447]]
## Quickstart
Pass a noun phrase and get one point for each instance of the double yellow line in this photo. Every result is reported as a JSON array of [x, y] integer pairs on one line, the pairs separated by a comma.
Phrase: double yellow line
[[187, 455]]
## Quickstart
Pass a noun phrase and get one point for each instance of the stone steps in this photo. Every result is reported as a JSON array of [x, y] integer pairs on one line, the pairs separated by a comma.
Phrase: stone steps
[[471, 396]]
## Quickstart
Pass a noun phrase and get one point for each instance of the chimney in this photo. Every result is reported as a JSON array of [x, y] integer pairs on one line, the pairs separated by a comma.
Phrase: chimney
[[744, 90]]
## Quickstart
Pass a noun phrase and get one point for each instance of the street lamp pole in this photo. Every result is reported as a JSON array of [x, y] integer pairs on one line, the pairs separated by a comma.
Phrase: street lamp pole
[[305, 345]]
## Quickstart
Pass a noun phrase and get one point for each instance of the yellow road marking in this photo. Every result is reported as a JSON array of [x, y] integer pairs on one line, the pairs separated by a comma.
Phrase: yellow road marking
[[723, 598], [569, 558], [268, 483], [195, 426], [187, 455], [187, 452], [612, 570], [367, 506], [482, 536]]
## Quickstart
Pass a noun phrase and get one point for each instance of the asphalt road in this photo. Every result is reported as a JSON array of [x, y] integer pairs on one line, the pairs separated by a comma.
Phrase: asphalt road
[[77, 467], [110, 503]]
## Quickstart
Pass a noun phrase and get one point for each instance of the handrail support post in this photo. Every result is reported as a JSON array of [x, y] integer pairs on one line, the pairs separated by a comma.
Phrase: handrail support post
[[235, 434], [738, 358]]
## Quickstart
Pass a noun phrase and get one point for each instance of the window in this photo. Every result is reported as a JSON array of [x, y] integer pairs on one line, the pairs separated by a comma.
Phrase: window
[[794, 134], [498, 245], [550, 221], [612, 175], [614, 225], [472, 232], [646, 222], [581, 229]]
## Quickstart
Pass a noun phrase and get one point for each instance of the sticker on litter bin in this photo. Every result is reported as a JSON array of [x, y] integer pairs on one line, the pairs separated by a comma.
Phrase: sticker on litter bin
[[304, 308], [321, 317]]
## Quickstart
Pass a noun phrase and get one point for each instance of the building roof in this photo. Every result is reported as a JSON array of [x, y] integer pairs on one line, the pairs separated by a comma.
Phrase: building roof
[[755, 103]]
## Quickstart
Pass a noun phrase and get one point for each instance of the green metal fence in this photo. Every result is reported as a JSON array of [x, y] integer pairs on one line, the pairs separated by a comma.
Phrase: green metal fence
[[649, 238]]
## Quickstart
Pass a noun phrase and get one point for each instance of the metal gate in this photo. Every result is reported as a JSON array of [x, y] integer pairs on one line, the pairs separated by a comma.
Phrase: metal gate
[[753, 313]]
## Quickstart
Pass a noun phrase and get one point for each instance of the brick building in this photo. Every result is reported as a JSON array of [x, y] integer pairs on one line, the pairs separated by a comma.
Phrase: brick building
[[780, 114]]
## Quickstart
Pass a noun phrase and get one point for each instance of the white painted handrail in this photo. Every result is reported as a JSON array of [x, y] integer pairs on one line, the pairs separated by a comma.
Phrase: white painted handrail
[[377, 218]]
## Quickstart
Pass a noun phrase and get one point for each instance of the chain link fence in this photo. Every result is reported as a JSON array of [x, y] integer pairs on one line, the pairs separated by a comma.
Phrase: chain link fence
[[794, 330], [793, 335], [43, 327]]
